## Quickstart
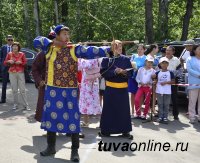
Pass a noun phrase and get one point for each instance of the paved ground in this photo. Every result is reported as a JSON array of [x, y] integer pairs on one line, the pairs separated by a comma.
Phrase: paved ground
[[21, 139]]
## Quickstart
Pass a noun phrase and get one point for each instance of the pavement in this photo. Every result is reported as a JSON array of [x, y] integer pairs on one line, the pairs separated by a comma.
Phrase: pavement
[[21, 139]]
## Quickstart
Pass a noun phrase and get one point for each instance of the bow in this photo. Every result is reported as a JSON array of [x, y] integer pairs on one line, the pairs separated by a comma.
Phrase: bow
[[94, 17]]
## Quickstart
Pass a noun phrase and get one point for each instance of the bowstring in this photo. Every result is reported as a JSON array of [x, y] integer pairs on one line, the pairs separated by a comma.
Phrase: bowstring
[[94, 17]]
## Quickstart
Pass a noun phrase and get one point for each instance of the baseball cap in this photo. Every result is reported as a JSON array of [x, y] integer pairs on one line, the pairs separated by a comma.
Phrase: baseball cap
[[189, 42], [163, 59]]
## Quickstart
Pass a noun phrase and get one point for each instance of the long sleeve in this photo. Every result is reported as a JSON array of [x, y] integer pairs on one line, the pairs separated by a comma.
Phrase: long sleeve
[[1, 56], [107, 68], [130, 72], [190, 69], [6, 59], [38, 68], [132, 58], [79, 65], [91, 52], [24, 60], [138, 76], [87, 64]]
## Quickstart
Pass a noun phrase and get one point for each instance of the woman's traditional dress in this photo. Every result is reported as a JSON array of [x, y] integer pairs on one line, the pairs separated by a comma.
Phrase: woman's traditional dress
[[115, 118]]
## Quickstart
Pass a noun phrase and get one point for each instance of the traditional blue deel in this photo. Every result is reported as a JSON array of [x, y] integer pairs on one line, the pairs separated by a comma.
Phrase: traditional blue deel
[[91, 52], [41, 43]]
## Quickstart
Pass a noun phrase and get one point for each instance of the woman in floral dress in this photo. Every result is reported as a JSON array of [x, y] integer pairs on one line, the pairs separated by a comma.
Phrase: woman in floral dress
[[89, 103]]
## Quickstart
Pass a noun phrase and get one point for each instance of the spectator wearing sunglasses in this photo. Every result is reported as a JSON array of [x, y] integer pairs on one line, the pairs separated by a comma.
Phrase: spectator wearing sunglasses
[[5, 49]]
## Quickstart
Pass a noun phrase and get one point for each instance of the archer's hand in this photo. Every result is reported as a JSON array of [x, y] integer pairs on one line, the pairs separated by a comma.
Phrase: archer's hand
[[118, 70], [123, 72], [10, 62], [18, 62]]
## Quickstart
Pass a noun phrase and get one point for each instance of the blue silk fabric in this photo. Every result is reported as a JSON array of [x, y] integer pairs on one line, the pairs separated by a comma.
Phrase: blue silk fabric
[[61, 112]]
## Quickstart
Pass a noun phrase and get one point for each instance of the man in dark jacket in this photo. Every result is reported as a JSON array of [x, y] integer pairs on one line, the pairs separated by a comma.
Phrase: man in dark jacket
[[5, 49]]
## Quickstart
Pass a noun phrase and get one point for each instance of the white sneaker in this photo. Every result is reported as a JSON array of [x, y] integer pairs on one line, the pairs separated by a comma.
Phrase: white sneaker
[[15, 106], [27, 108]]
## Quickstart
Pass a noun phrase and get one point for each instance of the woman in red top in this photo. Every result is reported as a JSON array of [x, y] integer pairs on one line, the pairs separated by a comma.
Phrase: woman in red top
[[16, 61]]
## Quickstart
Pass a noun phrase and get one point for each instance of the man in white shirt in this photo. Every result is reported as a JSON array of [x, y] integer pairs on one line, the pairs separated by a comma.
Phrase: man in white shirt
[[174, 65], [186, 52]]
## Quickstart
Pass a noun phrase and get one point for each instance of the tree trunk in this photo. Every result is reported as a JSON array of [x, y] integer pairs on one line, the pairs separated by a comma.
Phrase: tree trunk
[[37, 18], [186, 19], [1, 34], [162, 32], [26, 24], [149, 22], [56, 11], [64, 12], [78, 21]]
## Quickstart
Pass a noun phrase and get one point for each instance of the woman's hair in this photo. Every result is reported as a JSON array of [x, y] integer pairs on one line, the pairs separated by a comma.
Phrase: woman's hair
[[141, 45], [150, 48], [17, 44], [192, 53]]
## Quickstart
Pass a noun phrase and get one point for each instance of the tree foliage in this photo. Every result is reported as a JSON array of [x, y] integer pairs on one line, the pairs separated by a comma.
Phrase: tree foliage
[[126, 19]]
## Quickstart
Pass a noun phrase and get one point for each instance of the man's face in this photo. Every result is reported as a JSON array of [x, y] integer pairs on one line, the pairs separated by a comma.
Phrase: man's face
[[169, 52], [63, 36], [189, 47], [10, 40]]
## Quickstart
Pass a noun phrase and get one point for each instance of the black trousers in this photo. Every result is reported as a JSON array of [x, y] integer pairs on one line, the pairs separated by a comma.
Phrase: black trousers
[[5, 78], [174, 100]]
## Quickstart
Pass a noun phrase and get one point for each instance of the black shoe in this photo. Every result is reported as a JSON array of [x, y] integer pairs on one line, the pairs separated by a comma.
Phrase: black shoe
[[81, 135], [49, 151], [155, 115], [143, 117], [68, 135], [159, 120], [103, 134], [165, 121], [176, 118], [137, 117], [2, 101], [127, 135], [74, 156]]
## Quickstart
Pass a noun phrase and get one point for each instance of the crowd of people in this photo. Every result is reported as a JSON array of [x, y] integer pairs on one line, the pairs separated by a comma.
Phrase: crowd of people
[[75, 79]]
